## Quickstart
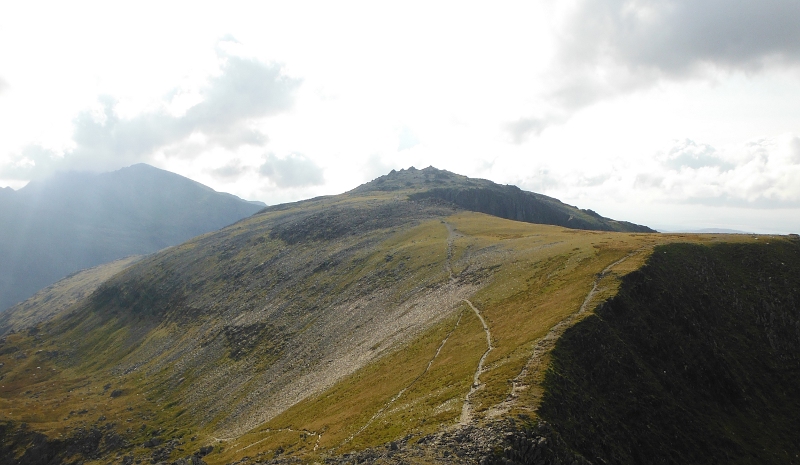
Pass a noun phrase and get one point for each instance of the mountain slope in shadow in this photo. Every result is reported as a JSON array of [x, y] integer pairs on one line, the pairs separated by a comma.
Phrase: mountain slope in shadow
[[73, 221]]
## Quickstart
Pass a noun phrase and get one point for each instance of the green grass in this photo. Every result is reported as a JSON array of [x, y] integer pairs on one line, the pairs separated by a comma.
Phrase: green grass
[[526, 279]]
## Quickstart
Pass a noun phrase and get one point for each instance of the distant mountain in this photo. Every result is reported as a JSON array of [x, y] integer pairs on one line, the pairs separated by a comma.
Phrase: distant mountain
[[505, 201], [72, 221]]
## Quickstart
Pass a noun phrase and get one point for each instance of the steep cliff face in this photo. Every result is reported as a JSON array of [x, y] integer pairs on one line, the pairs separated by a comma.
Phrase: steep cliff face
[[513, 203], [696, 360]]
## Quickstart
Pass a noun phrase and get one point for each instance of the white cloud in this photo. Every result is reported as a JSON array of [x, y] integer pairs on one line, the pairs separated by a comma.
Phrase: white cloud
[[578, 99], [523, 128], [607, 48], [681, 37], [758, 174], [671, 185], [689, 154], [32, 158], [295, 170], [231, 170], [244, 90], [794, 150]]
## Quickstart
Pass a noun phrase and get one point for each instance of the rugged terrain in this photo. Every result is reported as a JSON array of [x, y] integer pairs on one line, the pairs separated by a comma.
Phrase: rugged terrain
[[72, 221], [504, 201], [390, 324]]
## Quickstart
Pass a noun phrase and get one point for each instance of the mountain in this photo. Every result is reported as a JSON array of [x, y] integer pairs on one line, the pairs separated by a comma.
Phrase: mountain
[[71, 221], [481, 195], [385, 325]]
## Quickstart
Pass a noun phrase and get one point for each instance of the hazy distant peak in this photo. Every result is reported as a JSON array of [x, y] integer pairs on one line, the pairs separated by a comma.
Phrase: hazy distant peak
[[140, 169], [144, 168], [7, 195], [77, 219]]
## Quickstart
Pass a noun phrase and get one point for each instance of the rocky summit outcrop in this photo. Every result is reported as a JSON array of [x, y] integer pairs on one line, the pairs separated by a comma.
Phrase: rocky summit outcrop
[[504, 201]]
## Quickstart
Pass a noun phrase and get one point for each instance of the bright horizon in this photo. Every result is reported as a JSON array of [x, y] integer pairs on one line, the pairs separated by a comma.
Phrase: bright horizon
[[677, 115]]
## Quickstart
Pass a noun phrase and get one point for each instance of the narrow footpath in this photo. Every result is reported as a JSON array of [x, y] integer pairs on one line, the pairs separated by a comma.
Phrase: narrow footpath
[[546, 343], [466, 409]]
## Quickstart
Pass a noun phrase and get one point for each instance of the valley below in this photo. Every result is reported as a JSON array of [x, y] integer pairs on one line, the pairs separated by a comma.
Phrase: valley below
[[394, 324]]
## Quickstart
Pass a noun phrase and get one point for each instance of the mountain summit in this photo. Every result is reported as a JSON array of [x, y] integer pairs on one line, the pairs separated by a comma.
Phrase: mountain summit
[[505, 201]]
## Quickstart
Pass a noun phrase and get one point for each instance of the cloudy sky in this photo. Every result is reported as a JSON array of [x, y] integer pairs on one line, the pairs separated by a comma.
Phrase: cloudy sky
[[677, 114]]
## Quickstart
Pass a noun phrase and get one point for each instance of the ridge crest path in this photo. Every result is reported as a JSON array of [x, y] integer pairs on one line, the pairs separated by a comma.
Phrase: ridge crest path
[[546, 343], [466, 408]]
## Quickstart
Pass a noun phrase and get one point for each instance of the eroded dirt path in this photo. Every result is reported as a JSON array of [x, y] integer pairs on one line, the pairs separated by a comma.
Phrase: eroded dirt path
[[268, 431], [277, 430], [546, 343], [466, 408]]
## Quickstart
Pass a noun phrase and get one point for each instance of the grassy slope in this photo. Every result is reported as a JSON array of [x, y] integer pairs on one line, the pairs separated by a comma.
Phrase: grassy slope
[[158, 333], [104, 342], [698, 363], [542, 274]]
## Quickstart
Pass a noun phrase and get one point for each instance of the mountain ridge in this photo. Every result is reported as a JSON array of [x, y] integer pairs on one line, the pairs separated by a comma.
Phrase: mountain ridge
[[504, 201]]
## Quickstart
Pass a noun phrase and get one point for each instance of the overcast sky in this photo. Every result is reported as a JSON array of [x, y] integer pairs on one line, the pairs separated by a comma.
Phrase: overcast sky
[[675, 114]]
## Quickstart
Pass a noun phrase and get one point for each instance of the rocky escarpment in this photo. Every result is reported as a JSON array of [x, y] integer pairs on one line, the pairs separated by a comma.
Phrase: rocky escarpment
[[513, 203], [696, 360], [508, 442], [481, 195]]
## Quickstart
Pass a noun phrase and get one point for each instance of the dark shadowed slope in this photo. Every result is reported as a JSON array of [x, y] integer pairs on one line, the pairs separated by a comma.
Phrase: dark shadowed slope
[[505, 201], [696, 360], [72, 221], [58, 298]]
